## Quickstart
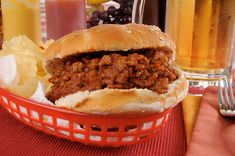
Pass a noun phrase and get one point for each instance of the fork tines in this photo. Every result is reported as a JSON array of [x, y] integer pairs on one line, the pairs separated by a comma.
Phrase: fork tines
[[226, 96]]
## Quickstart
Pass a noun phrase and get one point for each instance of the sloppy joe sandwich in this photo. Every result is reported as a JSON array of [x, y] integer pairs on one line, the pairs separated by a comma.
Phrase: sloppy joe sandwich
[[115, 69]]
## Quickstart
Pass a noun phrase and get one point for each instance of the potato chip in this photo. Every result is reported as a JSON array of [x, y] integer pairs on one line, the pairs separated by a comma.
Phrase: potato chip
[[47, 43], [40, 69], [20, 42], [29, 60], [2, 53], [28, 55], [27, 88]]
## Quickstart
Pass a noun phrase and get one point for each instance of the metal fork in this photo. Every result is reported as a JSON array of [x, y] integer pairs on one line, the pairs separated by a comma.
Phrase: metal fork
[[226, 96]]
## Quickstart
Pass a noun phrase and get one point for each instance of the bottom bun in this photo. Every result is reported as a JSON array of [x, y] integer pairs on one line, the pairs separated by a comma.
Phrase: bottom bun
[[126, 101]]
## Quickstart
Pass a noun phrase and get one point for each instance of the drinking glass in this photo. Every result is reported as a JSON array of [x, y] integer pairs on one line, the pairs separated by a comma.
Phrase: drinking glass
[[204, 33], [138, 11], [154, 13], [21, 17], [64, 16]]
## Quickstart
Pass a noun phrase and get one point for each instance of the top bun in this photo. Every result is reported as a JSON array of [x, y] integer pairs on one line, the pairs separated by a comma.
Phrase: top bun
[[111, 37]]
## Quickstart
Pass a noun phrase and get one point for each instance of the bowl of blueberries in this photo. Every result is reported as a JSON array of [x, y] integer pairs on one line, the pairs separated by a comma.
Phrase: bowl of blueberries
[[113, 11]]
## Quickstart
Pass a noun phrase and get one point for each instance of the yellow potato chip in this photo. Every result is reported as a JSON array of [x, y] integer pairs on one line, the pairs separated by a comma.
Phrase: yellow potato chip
[[26, 89], [20, 42], [29, 60], [28, 55], [2, 53], [47, 43], [40, 69], [26, 65]]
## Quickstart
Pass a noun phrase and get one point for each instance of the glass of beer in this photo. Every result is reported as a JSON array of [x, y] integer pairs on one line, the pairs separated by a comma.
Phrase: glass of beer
[[204, 33]]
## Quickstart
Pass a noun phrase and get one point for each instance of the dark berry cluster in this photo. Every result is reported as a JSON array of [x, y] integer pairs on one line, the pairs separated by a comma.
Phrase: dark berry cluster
[[113, 15]]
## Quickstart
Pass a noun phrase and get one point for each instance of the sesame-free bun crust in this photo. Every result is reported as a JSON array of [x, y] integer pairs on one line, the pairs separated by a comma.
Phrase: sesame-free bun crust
[[111, 37], [123, 101]]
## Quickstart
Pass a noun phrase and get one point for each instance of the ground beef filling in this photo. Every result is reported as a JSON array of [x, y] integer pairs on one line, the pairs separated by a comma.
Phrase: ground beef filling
[[120, 70]]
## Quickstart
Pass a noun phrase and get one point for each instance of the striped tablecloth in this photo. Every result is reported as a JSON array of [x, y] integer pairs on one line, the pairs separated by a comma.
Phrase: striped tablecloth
[[19, 139]]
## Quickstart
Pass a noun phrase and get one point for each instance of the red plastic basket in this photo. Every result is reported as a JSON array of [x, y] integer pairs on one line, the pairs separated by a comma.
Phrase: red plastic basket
[[99, 130]]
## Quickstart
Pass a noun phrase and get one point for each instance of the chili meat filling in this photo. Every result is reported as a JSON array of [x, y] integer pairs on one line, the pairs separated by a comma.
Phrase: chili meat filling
[[118, 70]]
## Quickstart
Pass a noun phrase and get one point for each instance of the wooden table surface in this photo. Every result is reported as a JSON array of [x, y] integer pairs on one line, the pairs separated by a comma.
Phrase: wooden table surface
[[190, 107]]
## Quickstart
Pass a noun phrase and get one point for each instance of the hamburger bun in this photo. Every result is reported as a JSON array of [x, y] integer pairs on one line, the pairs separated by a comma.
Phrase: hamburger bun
[[111, 37]]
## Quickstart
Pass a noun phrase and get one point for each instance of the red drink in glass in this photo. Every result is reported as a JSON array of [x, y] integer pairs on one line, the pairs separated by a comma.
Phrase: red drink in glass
[[64, 16]]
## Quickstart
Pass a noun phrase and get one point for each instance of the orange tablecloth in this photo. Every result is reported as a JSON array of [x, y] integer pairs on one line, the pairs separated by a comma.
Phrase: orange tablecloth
[[213, 134]]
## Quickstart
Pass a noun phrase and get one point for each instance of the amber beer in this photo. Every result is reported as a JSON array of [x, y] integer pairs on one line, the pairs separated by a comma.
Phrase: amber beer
[[203, 31]]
